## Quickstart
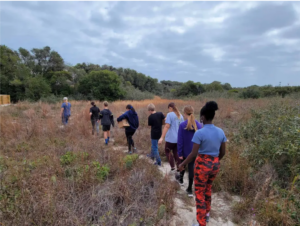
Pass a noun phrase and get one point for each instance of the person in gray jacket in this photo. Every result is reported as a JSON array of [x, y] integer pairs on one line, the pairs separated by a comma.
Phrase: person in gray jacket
[[107, 119]]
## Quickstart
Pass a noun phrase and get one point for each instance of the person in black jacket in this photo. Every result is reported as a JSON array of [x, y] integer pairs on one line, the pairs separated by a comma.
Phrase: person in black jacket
[[94, 113], [107, 119], [133, 121]]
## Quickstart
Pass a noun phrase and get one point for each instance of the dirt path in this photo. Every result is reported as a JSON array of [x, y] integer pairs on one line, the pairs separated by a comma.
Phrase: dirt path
[[185, 206]]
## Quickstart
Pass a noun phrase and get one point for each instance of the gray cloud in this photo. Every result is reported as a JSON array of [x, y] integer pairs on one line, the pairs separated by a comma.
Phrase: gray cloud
[[242, 43]]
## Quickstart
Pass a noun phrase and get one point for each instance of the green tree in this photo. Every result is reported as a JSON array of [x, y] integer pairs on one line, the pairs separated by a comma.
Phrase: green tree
[[226, 86], [12, 74], [36, 87], [103, 85], [46, 61], [60, 83], [214, 86]]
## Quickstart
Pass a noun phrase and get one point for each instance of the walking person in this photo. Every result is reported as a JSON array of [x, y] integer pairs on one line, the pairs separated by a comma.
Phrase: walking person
[[155, 120], [107, 119], [65, 111], [186, 132], [94, 113], [131, 116], [170, 133], [209, 147]]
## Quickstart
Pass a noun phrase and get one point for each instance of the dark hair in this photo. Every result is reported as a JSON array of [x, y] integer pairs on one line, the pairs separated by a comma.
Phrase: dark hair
[[130, 107], [93, 103], [209, 110], [175, 109]]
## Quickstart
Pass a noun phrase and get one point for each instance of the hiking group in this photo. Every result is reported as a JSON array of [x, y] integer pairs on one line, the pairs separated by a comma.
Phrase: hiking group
[[199, 147]]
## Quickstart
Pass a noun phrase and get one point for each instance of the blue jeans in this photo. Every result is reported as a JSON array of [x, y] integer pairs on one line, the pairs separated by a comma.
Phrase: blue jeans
[[154, 151], [65, 119]]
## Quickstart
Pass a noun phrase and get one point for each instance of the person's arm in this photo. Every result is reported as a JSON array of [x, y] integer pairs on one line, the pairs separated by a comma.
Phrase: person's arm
[[223, 146], [122, 117], [222, 150], [112, 119], [149, 121], [165, 130], [100, 115], [62, 110], [190, 156], [180, 142]]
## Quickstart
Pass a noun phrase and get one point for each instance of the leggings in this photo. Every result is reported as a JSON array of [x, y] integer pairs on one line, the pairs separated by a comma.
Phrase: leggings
[[130, 141], [191, 173], [171, 147], [206, 170], [95, 123]]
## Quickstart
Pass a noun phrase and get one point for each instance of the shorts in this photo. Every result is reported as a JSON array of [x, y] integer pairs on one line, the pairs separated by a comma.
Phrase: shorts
[[106, 128]]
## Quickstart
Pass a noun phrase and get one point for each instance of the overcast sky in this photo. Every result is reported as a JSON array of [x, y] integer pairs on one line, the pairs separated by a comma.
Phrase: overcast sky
[[243, 43]]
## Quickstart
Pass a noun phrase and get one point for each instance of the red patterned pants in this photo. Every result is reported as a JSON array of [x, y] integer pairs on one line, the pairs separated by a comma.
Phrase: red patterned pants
[[206, 170]]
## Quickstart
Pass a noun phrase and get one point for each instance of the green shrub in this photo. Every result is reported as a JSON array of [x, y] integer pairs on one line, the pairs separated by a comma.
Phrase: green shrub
[[70, 157], [253, 93], [161, 212], [67, 158], [100, 171], [130, 159], [272, 136]]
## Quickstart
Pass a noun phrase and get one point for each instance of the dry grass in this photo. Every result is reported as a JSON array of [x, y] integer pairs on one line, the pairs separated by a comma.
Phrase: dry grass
[[38, 189]]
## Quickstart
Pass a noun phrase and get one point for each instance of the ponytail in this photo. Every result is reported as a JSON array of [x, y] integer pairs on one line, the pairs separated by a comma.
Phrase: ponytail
[[175, 109], [209, 110], [130, 108], [191, 125]]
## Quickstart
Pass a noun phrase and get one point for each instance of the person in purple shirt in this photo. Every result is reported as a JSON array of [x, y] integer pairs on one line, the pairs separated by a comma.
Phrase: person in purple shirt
[[186, 132]]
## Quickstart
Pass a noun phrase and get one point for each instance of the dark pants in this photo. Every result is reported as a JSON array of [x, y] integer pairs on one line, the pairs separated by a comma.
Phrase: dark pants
[[191, 173], [130, 141], [206, 170], [65, 119], [170, 147]]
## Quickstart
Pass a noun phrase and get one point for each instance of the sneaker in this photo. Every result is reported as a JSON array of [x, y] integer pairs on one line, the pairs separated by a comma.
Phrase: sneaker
[[189, 192], [157, 164], [130, 152], [173, 170], [134, 149]]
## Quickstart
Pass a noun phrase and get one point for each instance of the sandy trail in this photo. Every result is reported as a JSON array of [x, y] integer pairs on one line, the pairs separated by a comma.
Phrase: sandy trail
[[220, 214]]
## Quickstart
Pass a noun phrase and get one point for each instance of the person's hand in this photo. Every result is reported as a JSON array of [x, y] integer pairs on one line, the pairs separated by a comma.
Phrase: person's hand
[[181, 167], [181, 157], [160, 141]]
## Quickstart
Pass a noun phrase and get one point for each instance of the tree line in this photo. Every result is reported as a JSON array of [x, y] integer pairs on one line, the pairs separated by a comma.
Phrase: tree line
[[40, 73]]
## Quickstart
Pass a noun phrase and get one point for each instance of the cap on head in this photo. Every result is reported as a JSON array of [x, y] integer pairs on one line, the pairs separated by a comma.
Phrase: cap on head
[[65, 98]]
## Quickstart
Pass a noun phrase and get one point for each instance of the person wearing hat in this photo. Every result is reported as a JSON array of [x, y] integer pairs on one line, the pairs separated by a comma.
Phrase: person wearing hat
[[65, 111]]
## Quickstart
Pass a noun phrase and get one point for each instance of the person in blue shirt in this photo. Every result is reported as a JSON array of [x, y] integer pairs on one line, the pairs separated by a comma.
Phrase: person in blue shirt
[[131, 116], [209, 147], [170, 133], [65, 111]]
